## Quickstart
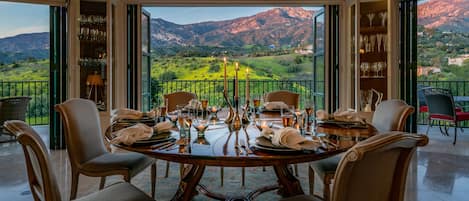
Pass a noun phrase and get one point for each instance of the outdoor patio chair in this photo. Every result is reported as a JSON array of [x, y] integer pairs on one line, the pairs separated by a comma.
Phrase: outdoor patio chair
[[87, 152], [13, 108], [374, 169], [177, 98], [441, 108], [42, 181], [390, 115]]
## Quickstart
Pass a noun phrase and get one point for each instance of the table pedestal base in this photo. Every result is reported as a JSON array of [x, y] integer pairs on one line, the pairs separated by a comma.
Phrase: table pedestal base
[[189, 185]]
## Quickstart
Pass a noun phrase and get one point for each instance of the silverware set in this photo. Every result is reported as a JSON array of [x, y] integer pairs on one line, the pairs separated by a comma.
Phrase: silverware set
[[166, 146]]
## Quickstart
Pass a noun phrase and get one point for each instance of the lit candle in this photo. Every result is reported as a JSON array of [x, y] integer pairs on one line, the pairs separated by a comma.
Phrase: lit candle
[[236, 83], [225, 83], [247, 85], [214, 109]]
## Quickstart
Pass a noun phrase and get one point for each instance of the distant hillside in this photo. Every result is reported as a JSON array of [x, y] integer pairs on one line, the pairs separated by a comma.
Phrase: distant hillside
[[24, 46], [278, 26], [446, 15]]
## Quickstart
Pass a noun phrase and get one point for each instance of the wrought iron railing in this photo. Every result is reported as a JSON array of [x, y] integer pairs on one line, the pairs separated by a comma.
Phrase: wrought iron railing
[[38, 108], [212, 89]]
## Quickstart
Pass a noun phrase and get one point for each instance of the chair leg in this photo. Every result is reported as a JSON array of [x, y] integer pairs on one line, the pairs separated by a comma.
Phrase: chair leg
[[327, 188], [428, 127], [222, 173], [296, 169], [243, 174], [455, 134], [74, 186], [263, 169], [311, 180], [102, 183], [166, 174], [153, 179]]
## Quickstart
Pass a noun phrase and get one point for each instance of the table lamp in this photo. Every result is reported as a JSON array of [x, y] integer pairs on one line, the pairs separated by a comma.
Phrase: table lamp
[[94, 81]]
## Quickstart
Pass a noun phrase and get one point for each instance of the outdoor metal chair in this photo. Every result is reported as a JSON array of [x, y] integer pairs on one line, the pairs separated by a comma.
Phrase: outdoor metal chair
[[441, 108], [13, 108]]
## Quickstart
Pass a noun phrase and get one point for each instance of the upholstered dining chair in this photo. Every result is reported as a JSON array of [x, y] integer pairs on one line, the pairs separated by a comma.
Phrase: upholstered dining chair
[[86, 149], [441, 107], [41, 176], [12, 108], [374, 169], [390, 115], [177, 98], [288, 97]]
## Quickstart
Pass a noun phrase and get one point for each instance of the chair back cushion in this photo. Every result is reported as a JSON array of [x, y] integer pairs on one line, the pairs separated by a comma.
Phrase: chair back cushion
[[440, 103], [82, 125], [287, 97], [178, 98], [376, 169], [13, 108], [391, 115], [40, 175]]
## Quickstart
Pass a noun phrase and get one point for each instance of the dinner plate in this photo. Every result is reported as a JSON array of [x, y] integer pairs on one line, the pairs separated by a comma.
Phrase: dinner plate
[[154, 140], [263, 144], [263, 109]]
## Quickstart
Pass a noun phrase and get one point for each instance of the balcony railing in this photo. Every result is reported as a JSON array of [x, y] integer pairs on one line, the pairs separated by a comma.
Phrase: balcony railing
[[38, 109], [212, 89]]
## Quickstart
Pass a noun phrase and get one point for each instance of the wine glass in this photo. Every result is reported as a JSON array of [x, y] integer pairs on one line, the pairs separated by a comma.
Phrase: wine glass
[[379, 37], [383, 16], [370, 17], [372, 43], [365, 41], [287, 116], [374, 69]]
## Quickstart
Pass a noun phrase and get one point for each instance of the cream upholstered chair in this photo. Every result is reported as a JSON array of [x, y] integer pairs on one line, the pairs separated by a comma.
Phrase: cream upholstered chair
[[86, 149], [374, 169], [285, 96], [41, 176], [390, 115], [177, 98]]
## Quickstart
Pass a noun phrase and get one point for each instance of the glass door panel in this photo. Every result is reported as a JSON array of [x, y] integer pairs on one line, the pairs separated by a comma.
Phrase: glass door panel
[[146, 61], [318, 60]]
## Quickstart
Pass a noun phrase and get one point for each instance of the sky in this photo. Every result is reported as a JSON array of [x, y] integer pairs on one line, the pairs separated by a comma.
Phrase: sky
[[19, 18], [30, 18]]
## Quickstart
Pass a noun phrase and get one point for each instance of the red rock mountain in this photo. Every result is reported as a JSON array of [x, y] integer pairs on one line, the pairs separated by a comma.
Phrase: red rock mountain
[[279, 26], [447, 15]]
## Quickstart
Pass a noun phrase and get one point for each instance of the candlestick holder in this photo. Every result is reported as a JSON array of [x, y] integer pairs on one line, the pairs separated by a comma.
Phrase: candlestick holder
[[245, 118], [230, 116]]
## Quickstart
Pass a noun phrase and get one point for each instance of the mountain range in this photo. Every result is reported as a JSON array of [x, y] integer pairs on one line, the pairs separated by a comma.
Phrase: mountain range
[[278, 27]]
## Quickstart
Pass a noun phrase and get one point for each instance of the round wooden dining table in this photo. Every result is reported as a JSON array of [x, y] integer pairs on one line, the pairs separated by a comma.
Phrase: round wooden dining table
[[223, 147]]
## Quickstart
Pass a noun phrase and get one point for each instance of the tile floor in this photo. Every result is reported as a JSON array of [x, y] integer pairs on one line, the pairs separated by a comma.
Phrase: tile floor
[[439, 172]]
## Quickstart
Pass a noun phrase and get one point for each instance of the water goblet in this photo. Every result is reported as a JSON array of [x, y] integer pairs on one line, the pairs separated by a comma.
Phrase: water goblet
[[201, 126], [383, 16], [379, 37], [374, 69], [287, 116], [370, 17], [372, 43]]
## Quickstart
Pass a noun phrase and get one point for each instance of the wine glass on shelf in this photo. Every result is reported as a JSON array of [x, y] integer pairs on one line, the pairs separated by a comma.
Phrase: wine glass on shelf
[[383, 16], [370, 17], [366, 68], [372, 43], [374, 69], [379, 38], [365, 41]]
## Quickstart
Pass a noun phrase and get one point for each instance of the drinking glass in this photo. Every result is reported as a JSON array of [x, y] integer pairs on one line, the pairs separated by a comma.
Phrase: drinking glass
[[383, 16], [287, 116], [370, 17]]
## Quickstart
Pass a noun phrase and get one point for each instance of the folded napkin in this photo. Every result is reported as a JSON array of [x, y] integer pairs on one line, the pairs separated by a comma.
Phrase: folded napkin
[[289, 137], [275, 105], [126, 113], [132, 134], [163, 127]]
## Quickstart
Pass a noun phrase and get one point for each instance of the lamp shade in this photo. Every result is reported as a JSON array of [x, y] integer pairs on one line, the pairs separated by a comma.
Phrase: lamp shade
[[94, 79]]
